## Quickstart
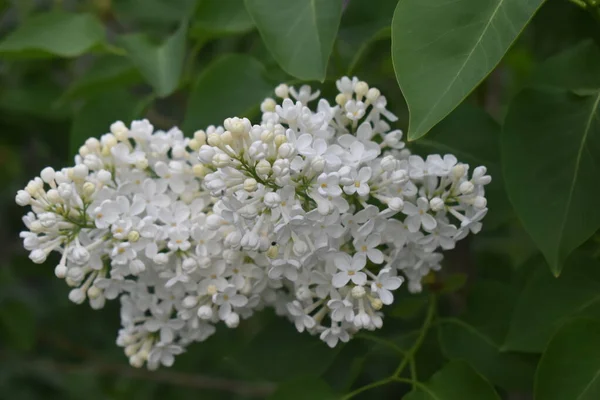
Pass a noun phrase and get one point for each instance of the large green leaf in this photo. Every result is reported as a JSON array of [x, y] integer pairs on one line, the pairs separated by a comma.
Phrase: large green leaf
[[474, 138], [303, 388], [362, 25], [160, 64], [574, 69], [299, 33], [456, 381], [547, 302], [570, 365], [55, 33], [98, 112], [153, 13], [220, 18], [443, 49], [231, 86], [551, 159], [477, 337], [107, 73]]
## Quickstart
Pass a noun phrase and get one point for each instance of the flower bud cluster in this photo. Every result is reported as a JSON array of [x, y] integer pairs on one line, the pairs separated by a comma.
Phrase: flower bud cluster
[[319, 213]]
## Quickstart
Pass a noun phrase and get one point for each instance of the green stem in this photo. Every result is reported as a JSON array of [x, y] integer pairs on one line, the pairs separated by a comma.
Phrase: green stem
[[423, 333], [413, 372], [368, 387], [385, 382], [409, 357]]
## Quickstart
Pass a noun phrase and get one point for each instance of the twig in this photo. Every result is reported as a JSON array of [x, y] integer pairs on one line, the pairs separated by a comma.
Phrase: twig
[[167, 377]]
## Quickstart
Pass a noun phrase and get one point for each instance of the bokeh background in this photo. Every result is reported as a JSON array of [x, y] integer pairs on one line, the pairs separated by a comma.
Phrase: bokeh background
[[191, 63]]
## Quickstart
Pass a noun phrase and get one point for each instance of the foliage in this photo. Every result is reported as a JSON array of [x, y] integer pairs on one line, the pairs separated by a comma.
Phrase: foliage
[[511, 84]]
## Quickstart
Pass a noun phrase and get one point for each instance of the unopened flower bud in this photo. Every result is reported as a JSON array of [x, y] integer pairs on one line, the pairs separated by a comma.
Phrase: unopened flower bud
[[466, 187], [194, 144], [273, 251], [133, 236], [221, 160], [60, 271], [226, 138], [286, 150], [190, 301], [267, 136], [480, 202], [358, 292], [119, 130], [232, 320], [141, 164], [263, 167], [317, 164], [250, 185], [206, 154], [199, 170], [458, 171], [376, 304], [282, 91], [341, 99], [214, 139], [373, 94], [23, 198], [47, 174], [94, 292], [279, 140], [396, 204], [268, 105], [77, 296], [200, 136], [88, 189], [205, 312], [79, 172], [104, 176], [361, 89], [388, 163], [436, 204]]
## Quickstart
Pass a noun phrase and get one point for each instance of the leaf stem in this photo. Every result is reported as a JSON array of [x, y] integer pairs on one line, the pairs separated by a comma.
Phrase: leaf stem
[[408, 359], [423, 333]]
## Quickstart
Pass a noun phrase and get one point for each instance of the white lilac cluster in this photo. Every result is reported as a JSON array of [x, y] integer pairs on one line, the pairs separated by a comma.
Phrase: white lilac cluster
[[320, 214]]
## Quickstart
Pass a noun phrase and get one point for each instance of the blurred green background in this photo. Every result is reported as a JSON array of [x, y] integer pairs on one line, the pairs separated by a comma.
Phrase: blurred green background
[[69, 68]]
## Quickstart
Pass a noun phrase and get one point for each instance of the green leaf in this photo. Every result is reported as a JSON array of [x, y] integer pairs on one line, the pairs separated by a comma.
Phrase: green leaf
[[231, 86], [160, 64], [279, 353], [303, 388], [455, 381], [443, 50], [18, 324], [152, 13], [570, 366], [474, 138], [477, 337], [299, 33], [54, 33], [214, 18], [34, 97], [107, 73], [361, 26], [550, 147], [547, 302], [98, 113], [574, 69]]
